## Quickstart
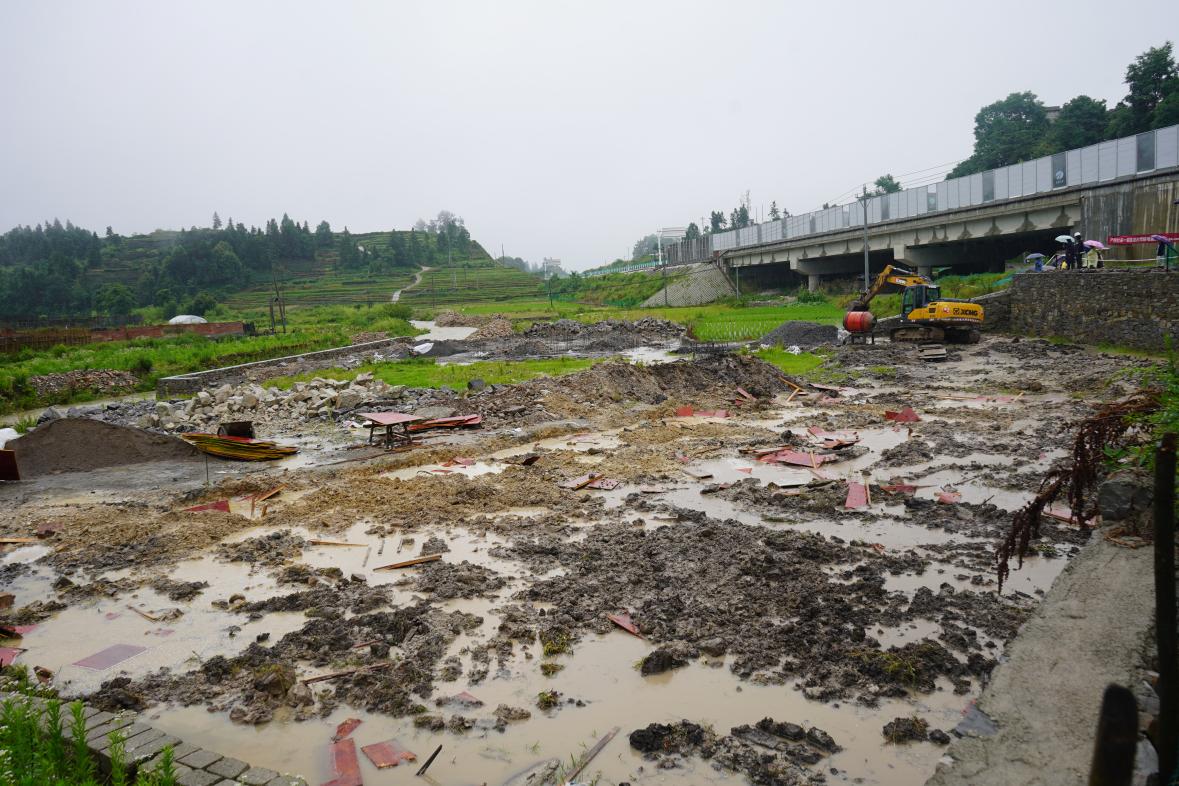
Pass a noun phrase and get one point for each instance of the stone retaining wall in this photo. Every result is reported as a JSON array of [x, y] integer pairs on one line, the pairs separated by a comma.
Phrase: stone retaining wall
[[143, 746], [199, 380], [1138, 309]]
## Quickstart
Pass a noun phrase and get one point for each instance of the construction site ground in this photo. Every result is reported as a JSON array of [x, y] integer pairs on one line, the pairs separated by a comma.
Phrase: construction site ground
[[783, 637]]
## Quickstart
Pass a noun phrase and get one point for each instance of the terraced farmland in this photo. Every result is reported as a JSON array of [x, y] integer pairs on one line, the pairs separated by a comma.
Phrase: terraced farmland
[[327, 286], [477, 283]]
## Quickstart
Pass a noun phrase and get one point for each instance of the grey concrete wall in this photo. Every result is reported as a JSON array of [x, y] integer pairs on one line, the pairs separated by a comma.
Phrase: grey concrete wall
[[1138, 309], [996, 310], [704, 283]]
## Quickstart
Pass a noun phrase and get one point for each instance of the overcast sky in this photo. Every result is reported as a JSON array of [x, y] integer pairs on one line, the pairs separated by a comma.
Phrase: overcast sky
[[554, 128]]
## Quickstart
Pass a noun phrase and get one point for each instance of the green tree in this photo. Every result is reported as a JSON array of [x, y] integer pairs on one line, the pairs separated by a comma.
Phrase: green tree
[[1152, 77], [692, 232], [349, 254], [887, 184], [716, 221], [323, 235], [1082, 122], [1167, 112], [775, 215], [216, 220], [201, 304], [115, 300], [1005, 132]]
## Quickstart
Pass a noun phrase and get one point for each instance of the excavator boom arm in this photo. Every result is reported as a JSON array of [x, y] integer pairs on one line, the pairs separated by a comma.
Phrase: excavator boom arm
[[890, 275]]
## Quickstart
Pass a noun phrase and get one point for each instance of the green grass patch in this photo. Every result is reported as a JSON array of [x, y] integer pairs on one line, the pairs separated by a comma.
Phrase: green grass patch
[[34, 748], [426, 373], [794, 365]]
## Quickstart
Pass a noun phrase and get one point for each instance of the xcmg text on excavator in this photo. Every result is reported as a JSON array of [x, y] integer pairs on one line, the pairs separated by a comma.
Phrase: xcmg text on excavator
[[925, 314]]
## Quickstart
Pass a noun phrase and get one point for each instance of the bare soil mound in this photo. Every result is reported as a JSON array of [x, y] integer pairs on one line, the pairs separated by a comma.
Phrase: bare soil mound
[[801, 334], [81, 444]]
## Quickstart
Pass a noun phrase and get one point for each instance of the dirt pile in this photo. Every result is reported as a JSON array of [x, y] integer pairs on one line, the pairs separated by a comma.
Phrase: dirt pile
[[364, 338], [609, 333], [801, 334], [82, 444], [455, 319], [496, 328], [101, 380]]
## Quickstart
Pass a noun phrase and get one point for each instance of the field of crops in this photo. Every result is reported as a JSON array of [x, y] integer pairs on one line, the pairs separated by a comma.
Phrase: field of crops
[[487, 283]]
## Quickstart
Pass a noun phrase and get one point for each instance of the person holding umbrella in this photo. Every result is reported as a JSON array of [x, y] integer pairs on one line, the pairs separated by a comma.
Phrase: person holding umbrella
[[1037, 261], [1066, 251], [1165, 252], [1093, 258]]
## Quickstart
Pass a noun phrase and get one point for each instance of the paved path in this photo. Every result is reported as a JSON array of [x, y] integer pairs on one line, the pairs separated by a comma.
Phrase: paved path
[[417, 279], [1089, 632]]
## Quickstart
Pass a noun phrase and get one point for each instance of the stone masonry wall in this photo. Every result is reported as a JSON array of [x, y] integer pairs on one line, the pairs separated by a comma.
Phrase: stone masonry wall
[[1138, 309]]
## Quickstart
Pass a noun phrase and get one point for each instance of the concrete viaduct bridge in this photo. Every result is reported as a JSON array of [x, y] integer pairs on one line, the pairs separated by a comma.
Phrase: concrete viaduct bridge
[[971, 224]]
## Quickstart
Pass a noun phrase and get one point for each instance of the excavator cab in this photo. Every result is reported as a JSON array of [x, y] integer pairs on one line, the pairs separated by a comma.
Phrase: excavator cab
[[918, 296]]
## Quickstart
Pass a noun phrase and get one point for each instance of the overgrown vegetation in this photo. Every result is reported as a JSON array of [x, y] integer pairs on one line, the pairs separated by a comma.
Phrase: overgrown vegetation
[[35, 748]]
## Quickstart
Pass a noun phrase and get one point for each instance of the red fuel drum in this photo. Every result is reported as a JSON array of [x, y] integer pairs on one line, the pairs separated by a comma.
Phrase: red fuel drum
[[859, 321]]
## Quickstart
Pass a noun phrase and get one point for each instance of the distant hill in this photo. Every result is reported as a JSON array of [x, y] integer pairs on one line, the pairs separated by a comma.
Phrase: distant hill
[[55, 271]]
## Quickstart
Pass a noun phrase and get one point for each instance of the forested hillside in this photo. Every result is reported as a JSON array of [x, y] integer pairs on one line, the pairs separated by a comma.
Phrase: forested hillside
[[54, 270]]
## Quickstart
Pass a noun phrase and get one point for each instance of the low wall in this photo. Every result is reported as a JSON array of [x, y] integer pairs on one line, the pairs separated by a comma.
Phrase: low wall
[[1138, 309], [199, 380]]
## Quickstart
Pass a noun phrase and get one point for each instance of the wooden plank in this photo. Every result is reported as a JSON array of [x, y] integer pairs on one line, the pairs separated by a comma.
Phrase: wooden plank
[[335, 543], [15, 541], [411, 562]]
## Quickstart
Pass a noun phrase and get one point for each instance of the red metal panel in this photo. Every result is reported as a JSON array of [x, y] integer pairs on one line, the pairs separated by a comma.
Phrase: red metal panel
[[388, 754], [857, 495], [345, 764], [111, 656]]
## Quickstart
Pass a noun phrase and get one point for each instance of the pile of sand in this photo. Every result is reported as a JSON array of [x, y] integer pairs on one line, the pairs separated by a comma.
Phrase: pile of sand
[[82, 444]]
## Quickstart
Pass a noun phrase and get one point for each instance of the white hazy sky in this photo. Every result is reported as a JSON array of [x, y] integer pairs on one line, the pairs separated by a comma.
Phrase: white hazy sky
[[562, 129]]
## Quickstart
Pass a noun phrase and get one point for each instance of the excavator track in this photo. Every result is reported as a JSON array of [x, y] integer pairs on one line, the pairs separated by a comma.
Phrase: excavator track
[[918, 333]]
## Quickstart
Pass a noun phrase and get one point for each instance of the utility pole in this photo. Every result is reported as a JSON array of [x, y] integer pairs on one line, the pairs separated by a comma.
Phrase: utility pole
[[864, 199]]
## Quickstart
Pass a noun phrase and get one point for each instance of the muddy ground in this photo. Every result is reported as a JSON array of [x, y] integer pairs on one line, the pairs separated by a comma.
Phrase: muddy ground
[[783, 638]]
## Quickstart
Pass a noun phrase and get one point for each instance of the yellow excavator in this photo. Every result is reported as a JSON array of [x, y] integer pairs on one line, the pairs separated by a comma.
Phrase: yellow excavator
[[925, 314]]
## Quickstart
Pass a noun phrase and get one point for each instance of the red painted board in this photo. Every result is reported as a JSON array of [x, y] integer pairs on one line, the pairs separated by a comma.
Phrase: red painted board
[[625, 622], [948, 497], [8, 655], [111, 656], [795, 457], [857, 495], [221, 505], [683, 412], [906, 415], [606, 484], [345, 728], [389, 753], [345, 764]]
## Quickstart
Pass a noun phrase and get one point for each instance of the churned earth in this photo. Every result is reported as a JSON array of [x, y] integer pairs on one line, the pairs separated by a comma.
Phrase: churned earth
[[782, 637]]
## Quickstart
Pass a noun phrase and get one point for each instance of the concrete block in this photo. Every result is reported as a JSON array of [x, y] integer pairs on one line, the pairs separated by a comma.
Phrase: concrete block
[[182, 750], [228, 767], [257, 776], [201, 758], [198, 778], [129, 734], [145, 749], [100, 731], [287, 780]]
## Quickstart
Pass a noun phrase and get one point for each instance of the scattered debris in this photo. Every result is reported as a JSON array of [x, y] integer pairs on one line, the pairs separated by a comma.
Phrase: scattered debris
[[345, 728], [411, 562], [238, 448], [906, 415], [626, 623], [111, 656]]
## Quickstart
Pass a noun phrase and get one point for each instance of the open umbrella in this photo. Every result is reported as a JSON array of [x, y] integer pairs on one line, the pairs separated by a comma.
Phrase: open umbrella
[[1064, 238], [1034, 256], [1162, 239], [1095, 244]]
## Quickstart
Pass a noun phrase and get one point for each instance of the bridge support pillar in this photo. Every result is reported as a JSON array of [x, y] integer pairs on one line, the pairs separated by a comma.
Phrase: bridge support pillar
[[812, 282], [922, 260]]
